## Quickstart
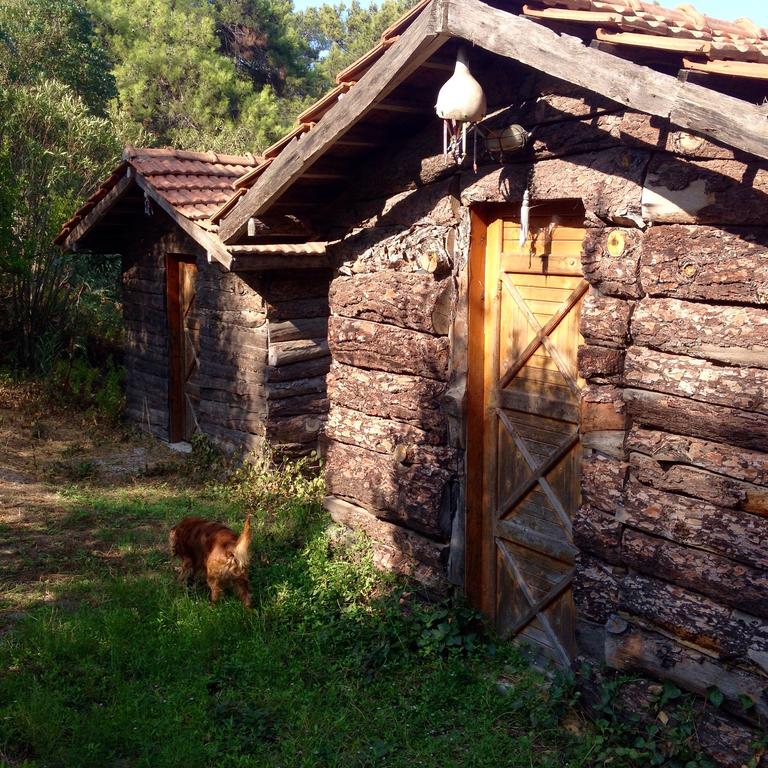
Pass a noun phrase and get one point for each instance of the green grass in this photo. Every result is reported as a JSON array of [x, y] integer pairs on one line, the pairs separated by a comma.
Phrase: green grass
[[335, 665], [327, 669]]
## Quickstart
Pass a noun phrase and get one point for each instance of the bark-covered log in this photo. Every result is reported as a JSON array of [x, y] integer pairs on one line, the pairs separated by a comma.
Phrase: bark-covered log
[[300, 328], [412, 399], [145, 301], [598, 533], [232, 371], [738, 535], [408, 300], [233, 416], [602, 482], [139, 285], [744, 388], [303, 428], [688, 417], [706, 263], [377, 434], [233, 386], [279, 311], [310, 386], [233, 360], [409, 494], [693, 481], [299, 404], [602, 409], [716, 191], [724, 580], [299, 284], [154, 364], [299, 351], [250, 402], [216, 334], [648, 652], [602, 364], [138, 315], [568, 137], [595, 589], [240, 318], [733, 335], [610, 258], [232, 439], [605, 320], [691, 617], [412, 545], [365, 344], [609, 182], [739, 463], [641, 130], [306, 369]]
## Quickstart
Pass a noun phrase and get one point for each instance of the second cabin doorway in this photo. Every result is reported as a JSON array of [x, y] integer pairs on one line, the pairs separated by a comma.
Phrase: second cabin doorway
[[524, 392], [183, 346]]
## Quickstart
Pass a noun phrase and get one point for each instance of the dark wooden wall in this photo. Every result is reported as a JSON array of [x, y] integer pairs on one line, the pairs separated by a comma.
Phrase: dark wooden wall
[[263, 353], [145, 320]]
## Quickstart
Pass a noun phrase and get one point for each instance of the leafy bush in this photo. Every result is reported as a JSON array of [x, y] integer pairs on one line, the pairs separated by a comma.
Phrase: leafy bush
[[52, 150]]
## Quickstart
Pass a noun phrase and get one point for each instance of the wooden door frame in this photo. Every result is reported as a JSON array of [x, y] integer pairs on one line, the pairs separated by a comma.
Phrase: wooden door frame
[[176, 401], [477, 579], [484, 261]]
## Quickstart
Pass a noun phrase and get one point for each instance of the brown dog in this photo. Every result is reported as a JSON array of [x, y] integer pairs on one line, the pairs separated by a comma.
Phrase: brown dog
[[212, 550]]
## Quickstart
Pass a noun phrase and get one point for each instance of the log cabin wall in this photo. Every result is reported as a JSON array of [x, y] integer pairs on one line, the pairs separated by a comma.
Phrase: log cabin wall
[[672, 574], [263, 352], [233, 356], [146, 322], [296, 305]]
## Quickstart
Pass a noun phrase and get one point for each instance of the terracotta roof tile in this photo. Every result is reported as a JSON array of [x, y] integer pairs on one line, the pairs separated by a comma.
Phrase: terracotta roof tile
[[196, 184], [682, 29]]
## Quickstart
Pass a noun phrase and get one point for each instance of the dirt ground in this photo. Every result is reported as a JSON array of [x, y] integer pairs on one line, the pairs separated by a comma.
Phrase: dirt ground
[[45, 450]]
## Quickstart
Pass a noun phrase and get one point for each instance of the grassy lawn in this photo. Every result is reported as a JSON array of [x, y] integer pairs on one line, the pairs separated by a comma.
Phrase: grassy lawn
[[106, 661], [329, 668]]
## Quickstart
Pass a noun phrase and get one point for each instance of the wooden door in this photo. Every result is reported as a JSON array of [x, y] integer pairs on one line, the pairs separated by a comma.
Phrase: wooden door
[[183, 346], [524, 452]]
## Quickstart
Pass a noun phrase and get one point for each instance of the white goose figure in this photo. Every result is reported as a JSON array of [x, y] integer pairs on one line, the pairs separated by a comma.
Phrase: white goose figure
[[461, 101]]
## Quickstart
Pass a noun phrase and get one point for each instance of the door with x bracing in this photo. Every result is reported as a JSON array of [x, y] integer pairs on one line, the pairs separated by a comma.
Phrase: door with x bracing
[[531, 452]]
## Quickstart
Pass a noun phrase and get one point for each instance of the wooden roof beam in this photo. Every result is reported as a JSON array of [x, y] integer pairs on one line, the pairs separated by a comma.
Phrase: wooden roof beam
[[422, 38], [213, 246], [732, 121], [92, 218]]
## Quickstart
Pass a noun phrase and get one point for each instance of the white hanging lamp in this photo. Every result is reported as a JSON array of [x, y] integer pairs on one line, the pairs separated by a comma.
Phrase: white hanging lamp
[[460, 102]]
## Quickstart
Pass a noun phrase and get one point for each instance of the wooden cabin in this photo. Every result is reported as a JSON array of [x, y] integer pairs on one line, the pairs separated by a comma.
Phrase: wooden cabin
[[238, 357], [574, 429]]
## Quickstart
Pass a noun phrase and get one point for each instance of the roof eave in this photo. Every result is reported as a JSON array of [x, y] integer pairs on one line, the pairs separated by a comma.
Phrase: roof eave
[[726, 119]]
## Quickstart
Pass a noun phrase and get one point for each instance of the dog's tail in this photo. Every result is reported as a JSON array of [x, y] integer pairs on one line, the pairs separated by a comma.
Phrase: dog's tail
[[240, 552]]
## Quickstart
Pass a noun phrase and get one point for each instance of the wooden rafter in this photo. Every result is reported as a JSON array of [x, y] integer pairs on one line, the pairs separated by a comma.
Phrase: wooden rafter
[[212, 244], [93, 216], [416, 45]]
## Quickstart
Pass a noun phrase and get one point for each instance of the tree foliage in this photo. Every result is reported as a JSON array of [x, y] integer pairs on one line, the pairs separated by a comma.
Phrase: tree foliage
[[78, 78], [52, 152], [340, 34], [54, 39]]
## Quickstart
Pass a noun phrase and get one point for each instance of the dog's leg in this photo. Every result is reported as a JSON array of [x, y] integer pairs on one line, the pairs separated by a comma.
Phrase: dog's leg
[[241, 590], [186, 573], [215, 588]]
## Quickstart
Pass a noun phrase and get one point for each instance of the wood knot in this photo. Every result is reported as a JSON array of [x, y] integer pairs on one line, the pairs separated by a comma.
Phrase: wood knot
[[616, 243], [689, 270]]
